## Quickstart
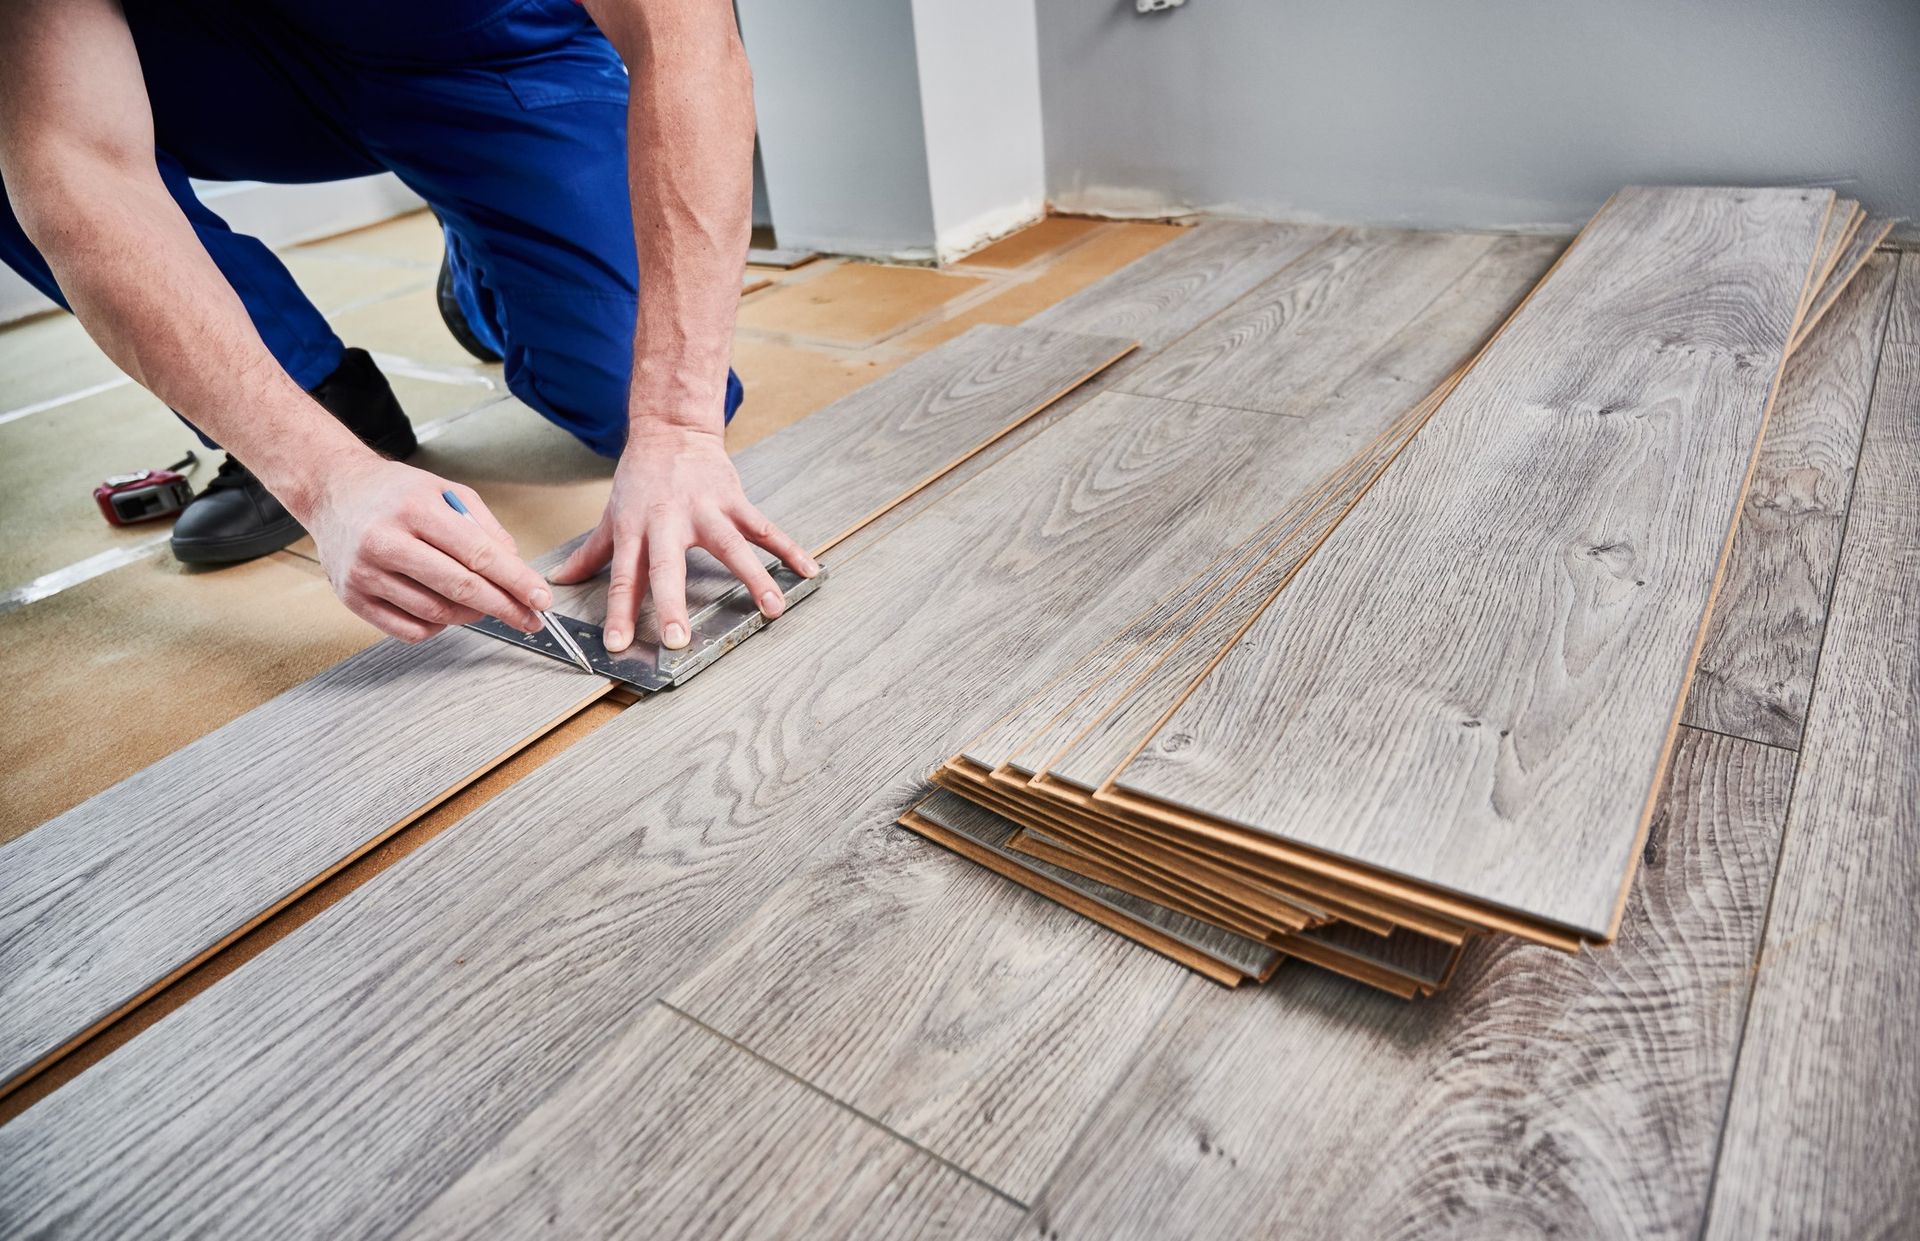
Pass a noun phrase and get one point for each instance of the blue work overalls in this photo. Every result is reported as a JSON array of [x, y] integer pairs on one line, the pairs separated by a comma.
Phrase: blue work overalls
[[507, 116]]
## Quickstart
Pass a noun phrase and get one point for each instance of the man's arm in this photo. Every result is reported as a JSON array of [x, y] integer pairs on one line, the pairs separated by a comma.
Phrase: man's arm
[[77, 156], [690, 167]]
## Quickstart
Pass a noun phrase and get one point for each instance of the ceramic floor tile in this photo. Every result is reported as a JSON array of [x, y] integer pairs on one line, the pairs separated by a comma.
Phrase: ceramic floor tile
[[1113, 247], [785, 383], [853, 303], [1033, 242], [109, 676], [413, 239]]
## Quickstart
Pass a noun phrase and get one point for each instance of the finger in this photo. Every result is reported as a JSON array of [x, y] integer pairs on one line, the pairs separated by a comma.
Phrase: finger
[[667, 579], [625, 588], [509, 578], [588, 558], [756, 526], [733, 551], [484, 515], [419, 602], [389, 619], [457, 584]]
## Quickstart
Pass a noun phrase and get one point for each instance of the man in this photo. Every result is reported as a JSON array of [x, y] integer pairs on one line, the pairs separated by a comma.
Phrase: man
[[595, 231]]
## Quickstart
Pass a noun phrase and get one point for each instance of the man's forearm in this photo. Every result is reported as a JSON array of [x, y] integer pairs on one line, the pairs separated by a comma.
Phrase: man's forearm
[[146, 290], [690, 163]]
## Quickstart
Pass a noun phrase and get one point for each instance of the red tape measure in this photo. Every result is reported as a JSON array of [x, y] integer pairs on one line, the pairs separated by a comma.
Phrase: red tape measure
[[128, 498]]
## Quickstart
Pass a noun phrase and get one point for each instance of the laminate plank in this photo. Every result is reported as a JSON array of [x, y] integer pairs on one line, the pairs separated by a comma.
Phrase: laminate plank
[[1173, 289], [1823, 1133], [674, 1132], [838, 470], [103, 904], [338, 1082], [1763, 639], [94, 916], [990, 831], [1494, 647], [917, 999], [1541, 1095], [1292, 344], [1866, 239], [1090, 744]]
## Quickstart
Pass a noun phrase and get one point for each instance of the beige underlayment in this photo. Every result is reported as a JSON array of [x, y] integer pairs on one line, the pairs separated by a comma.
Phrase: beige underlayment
[[107, 676]]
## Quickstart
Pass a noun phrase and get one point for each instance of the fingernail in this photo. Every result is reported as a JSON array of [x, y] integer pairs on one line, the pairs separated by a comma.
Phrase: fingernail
[[675, 636], [542, 598], [616, 639], [772, 602], [810, 568]]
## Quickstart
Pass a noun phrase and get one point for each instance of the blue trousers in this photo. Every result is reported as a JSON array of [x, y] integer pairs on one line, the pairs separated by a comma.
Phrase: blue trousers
[[507, 116]]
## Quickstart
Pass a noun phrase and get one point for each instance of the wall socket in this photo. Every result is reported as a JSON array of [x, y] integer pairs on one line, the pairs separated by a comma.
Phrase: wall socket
[[1156, 6]]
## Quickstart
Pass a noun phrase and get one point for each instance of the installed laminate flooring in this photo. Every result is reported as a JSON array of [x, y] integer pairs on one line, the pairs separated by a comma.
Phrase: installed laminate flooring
[[94, 916], [674, 1131], [1541, 1095], [1763, 640], [396, 1037], [1495, 664], [1823, 1135]]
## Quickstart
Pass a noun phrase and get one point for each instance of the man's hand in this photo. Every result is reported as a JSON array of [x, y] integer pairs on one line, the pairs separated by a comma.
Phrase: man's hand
[[674, 490], [403, 560]]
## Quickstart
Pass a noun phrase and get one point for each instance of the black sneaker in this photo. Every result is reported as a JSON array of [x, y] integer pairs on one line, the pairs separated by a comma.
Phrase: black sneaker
[[455, 318], [236, 518]]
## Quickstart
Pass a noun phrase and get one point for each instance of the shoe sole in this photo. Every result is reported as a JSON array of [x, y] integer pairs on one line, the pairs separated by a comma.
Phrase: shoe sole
[[270, 539]]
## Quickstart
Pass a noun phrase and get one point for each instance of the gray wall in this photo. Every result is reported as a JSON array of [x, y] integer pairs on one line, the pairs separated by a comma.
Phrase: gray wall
[[1473, 113]]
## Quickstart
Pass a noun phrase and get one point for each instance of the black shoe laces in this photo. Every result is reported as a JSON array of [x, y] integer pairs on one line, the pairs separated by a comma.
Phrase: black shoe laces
[[232, 476]]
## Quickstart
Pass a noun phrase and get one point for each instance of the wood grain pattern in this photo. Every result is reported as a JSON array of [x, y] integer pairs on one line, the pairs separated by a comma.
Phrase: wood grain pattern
[[1167, 293], [832, 473], [674, 1132], [342, 1079], [1542, 1095], [1866, 239], [1292, 344], [993, 832], [1763, 640], [1495, 645], [93, 915], [106, 902], [1823, 1134], [1088, 745]]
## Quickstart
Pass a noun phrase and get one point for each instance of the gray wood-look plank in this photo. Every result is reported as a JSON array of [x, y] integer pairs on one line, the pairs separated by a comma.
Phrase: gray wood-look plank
[[94, 913], [674, 1132], [347, 1075], [109, 900], [1541, 1095], [1475, 680], [1823, 1134], [839, 467], [1111, 723], [1866, 239], [1292, 344], [1763, 639]]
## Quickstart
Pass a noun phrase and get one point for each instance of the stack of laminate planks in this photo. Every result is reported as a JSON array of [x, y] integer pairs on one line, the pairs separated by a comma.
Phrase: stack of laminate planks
[[1435, 695]]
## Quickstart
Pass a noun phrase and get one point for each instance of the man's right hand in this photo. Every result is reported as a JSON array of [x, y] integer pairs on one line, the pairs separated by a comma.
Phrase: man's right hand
[[403, 560]]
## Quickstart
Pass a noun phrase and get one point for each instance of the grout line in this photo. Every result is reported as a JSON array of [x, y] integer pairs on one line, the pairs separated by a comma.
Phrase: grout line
[[887, 1129], [1793, 789]]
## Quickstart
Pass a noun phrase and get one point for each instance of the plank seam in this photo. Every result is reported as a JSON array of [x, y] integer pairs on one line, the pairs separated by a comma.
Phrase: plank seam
[[844, 1106], [1793, 789]]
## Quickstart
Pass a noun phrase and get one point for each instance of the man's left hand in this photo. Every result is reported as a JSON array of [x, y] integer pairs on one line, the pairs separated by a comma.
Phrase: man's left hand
[[674, 490]]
